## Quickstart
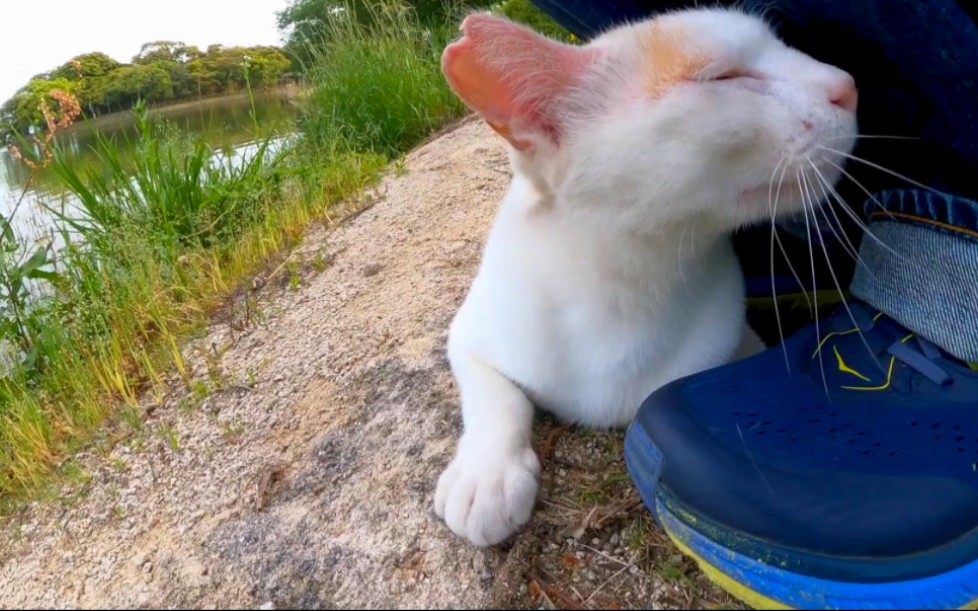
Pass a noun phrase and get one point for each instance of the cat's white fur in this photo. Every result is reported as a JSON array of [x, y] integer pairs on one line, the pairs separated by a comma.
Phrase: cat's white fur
[[609, 271]]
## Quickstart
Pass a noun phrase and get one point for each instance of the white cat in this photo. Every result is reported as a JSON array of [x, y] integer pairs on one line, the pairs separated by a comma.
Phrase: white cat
[[609, 270]]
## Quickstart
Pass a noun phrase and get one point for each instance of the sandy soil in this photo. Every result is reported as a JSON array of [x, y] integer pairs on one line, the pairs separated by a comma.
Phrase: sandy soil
[[297, 470]]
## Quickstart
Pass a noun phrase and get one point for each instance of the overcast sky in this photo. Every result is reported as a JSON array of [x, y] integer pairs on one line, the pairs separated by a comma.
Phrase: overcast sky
[[39, 35]]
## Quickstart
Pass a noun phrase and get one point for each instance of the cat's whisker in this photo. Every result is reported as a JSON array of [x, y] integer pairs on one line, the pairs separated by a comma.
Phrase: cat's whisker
[[838, 287], [836, 228], [682, 274], [761, 12], [811, 251], [879, 167], [841, 234], [862, 188], [770, 185], [859, 222], [873, 137], [772, 204], [777, 239]]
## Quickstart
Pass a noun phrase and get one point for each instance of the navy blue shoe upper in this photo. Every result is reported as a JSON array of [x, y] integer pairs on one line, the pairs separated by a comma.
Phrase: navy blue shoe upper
[[858, 463]]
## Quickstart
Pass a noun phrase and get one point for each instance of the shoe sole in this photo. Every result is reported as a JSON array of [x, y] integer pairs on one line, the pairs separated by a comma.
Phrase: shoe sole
[[764, 586]]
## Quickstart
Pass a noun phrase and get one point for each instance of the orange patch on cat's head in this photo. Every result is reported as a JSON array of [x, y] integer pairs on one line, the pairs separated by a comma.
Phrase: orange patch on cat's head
[[671, 59]]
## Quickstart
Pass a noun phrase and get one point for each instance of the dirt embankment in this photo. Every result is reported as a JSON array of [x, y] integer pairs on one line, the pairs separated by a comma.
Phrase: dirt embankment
[[298, 469]]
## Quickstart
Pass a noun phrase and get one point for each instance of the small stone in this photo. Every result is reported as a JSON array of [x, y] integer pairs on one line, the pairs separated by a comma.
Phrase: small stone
[[372, 270], [595, 542], [269, 606], [614, 539]]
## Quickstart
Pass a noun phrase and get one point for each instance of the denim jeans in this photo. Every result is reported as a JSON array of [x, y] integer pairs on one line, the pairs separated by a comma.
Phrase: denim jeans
[[916, 67]]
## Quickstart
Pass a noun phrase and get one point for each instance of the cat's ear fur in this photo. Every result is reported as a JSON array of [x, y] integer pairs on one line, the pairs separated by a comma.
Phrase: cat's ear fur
[[514, 78]]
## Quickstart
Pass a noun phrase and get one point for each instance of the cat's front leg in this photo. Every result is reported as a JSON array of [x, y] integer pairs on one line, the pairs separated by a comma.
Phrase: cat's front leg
[[488, 491]]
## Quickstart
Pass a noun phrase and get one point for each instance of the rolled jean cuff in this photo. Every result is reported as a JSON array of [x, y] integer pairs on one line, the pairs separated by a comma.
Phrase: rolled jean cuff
[[920, 266]]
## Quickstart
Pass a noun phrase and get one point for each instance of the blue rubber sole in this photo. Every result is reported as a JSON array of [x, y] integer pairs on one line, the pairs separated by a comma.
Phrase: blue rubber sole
[[765, 586]]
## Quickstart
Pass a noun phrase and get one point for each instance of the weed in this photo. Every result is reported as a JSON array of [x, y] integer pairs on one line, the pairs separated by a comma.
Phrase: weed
[[163, 238], [169, 434], [233, 432]]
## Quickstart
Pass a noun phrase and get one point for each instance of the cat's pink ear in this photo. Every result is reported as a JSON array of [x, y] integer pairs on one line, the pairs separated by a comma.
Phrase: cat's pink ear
[[513, 77]]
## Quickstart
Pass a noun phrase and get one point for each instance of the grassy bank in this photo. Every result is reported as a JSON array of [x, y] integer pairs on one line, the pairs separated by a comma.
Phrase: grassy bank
[[164, 238]]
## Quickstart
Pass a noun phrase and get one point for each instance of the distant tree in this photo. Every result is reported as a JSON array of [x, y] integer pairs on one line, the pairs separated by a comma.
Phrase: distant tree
[[266, 65], [164, 51], [305, 23], [161, 72], [23, 110], [85, 66]]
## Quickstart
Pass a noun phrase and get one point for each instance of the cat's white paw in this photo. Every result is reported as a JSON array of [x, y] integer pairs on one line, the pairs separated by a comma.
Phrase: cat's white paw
[[485, 495]]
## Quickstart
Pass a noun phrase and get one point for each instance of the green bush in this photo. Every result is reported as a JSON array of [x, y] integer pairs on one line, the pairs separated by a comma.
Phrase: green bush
[[165, 235], [523, 11], [377, 83]]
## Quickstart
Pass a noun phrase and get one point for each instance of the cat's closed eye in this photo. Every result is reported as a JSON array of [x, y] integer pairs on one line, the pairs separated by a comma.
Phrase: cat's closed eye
[[734, 73]]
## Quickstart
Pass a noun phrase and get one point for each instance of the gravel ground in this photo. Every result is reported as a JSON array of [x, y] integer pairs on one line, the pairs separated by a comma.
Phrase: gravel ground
[[297, 470]]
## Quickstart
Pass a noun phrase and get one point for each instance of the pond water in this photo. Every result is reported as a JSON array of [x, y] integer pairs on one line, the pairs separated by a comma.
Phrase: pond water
[[230, 124]]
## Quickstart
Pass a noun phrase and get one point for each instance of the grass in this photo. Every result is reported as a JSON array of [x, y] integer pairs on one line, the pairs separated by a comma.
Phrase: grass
[[378, 83], [165, 238]]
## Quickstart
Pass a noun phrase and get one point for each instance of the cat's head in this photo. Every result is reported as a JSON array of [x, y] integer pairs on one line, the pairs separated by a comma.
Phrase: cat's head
[[692, 115]]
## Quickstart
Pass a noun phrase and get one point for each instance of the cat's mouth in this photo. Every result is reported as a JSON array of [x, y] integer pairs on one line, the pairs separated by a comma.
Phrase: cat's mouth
[[809, 186]]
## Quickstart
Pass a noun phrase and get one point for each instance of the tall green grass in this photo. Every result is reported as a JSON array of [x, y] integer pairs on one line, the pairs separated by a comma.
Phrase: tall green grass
[[522, 11], [378, 81], [163, 237]]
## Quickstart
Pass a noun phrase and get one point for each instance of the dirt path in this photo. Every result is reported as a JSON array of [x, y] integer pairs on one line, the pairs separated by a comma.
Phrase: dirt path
[[298, 469]]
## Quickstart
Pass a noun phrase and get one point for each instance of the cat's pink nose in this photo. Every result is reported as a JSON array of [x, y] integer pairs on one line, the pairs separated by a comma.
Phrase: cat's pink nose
[[842, 92]]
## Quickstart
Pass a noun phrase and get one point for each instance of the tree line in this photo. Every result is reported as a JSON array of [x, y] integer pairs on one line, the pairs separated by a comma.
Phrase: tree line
[[305, 24], [170, 71], [162, 72]]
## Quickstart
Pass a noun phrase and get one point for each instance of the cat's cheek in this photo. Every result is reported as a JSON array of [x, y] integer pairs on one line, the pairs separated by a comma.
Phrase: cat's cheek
[[754, 85]]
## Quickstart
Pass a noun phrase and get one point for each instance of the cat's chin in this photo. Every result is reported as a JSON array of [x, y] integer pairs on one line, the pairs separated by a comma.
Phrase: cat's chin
[[771, 194]]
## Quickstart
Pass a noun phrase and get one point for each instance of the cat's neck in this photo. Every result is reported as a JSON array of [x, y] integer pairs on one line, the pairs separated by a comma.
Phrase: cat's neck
[[661, 257]]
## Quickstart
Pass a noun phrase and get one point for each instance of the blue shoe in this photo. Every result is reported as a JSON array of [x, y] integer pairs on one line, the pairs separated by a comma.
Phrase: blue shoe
[[850, 482]]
